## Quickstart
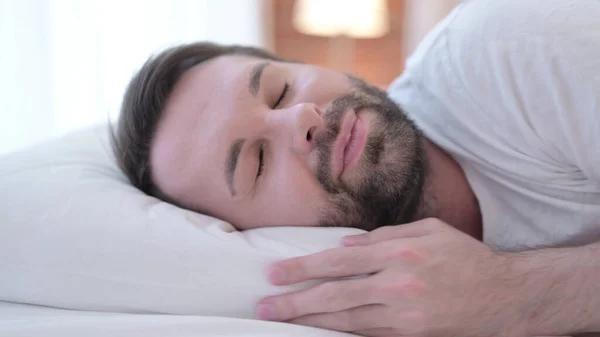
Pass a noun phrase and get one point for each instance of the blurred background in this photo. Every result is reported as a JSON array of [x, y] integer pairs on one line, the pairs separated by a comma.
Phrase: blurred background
[[64, 64]]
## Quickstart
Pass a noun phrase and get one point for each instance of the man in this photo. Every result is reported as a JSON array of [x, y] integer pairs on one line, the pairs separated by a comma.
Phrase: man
[[504, 147]]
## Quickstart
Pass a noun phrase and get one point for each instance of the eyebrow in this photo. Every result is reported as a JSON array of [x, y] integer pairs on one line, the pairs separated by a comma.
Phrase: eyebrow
[[231, 163], [255, 75]]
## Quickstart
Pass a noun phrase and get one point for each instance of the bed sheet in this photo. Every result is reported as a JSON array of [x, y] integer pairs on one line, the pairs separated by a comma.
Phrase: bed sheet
[[19, 320]]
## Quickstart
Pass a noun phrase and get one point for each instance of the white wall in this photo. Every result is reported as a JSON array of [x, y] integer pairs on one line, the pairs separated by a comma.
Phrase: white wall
[[64, 64]]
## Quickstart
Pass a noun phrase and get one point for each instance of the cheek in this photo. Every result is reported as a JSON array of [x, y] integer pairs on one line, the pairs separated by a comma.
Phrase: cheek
[[292, 196]]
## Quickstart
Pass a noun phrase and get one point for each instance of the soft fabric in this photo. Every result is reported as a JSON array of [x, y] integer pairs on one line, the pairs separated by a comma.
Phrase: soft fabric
[[17, 320], [75, 234], [511, 89]]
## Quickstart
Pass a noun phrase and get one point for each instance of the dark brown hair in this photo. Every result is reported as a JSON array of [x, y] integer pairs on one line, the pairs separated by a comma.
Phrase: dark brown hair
[[146, 97]]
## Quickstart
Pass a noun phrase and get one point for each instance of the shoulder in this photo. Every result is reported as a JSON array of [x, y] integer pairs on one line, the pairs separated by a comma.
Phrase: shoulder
[[476, 28], [488, 45], [523, 19], [526, 68]]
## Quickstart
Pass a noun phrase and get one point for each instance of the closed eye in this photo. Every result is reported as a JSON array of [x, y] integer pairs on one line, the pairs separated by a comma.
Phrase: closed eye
[[261, 162], [286, 87]]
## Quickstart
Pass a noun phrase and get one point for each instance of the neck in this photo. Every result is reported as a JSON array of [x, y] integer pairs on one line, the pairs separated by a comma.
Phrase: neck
[[447, 194]]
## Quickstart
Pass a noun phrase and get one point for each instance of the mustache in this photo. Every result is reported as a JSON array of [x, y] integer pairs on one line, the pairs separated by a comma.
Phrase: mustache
[[334, 114]]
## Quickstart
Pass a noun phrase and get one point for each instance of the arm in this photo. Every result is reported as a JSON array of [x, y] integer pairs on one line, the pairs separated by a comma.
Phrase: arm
[[561, 289]]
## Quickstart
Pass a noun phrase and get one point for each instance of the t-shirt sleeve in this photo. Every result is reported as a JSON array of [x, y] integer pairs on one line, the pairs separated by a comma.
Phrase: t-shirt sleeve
[[523, 64], [555, 75]]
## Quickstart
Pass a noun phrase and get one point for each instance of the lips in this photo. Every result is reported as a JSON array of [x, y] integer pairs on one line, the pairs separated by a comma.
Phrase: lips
[[348, 148], [355, 145]]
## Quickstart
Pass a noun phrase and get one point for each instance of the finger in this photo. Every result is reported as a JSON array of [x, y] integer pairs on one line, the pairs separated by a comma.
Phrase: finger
[[335, 262], [324, 298], [411, 230], [355, 319], [377, 332]]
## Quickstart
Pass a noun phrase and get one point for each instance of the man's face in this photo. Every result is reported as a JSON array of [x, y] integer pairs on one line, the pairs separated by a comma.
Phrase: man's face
[[261, 143]]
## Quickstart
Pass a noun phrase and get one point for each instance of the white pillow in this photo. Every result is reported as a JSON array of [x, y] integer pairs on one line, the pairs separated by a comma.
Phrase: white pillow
[[76, 234]]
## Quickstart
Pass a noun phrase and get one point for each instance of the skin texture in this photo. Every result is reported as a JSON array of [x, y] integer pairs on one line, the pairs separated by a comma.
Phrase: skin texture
[[297, 136]]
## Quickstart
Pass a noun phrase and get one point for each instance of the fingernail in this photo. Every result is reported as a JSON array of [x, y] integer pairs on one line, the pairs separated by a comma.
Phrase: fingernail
[[266, 311], [276, 275]]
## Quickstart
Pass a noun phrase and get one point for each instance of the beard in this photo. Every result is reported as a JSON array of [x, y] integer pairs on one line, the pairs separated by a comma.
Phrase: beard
[[388, 183]]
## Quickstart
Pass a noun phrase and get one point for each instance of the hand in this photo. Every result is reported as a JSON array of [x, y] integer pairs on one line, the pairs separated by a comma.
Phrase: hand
[[421, 279]]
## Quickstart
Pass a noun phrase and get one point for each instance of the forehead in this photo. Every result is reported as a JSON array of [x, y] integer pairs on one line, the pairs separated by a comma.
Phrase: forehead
[[197, 125]]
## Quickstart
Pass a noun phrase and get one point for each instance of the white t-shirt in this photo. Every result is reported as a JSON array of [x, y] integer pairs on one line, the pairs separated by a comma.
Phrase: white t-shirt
[[511, 89]]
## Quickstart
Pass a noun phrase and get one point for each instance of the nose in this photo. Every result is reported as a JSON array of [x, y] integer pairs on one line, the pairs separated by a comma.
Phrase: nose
[[302, 122]]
